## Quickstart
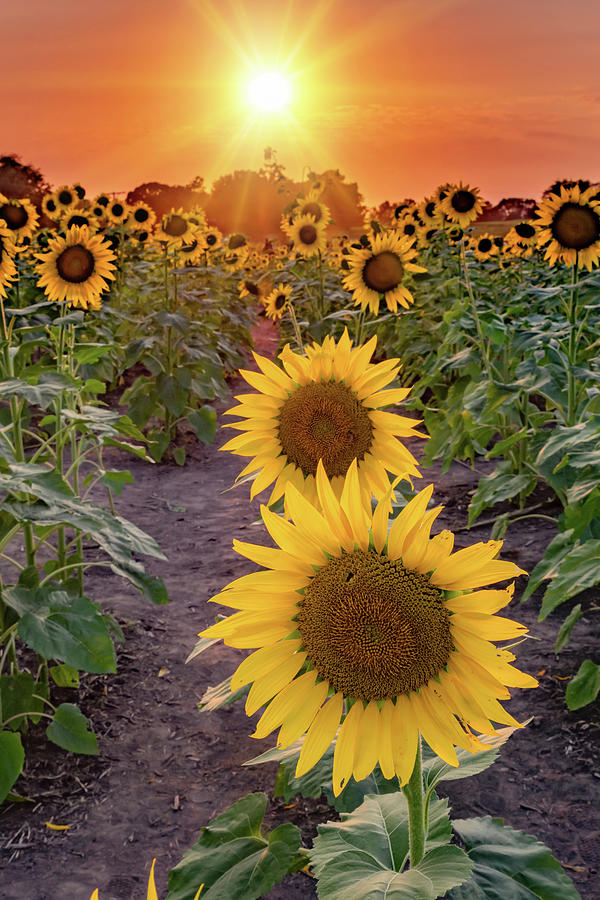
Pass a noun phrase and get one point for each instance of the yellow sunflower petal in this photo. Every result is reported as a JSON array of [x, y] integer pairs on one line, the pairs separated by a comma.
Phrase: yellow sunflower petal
[[262, 661], [284, 704], [343, 757], [266, 686], [298, 721], [405, 738], [406, 520], [366, 750], [320, 734]]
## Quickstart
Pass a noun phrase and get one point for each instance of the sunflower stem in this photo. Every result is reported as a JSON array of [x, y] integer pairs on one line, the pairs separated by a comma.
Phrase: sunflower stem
[[413, 791], [572, 351], [296, 327], [480, 337]]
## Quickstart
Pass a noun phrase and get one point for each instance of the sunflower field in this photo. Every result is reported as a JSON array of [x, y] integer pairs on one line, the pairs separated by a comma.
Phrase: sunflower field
[[429, 355]]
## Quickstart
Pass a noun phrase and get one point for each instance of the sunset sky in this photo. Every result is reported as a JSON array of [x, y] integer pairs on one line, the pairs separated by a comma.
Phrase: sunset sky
[[399, 95]]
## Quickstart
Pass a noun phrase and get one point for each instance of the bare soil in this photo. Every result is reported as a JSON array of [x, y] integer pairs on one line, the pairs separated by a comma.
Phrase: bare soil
[[164, 769]]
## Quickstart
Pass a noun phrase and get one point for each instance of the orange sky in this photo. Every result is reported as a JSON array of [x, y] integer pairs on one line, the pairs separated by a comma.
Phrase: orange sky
[[399, 95]]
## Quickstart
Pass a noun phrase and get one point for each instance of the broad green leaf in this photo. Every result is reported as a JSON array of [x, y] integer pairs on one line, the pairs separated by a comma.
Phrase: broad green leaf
[[446, 867], [500, 485], [509, 865], [233, 858], [556, 551], [12, 757], [179, 455], [364, 854], [69, 730], [566, 628], [577, 570], [75, 634], [583, 688], [64, 676], [436, 770], [17, 697], [204, 423], [171, 394], [116, 480]]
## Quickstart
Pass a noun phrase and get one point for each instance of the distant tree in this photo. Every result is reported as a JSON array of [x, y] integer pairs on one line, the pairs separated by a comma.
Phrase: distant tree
[[18, 179], [344, 199], [272, 167], [250, 202], [165, 197], [509, 208]]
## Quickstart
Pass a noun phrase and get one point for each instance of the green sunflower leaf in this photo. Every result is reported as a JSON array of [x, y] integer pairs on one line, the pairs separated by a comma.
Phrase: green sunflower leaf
[[233, 858], [69, 729], [366, 854], [509, 864], [584, 687], [12, 757]]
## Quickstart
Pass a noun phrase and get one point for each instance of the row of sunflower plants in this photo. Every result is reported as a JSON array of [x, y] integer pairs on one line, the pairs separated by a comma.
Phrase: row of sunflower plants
[[54, 437], [516, 376], [374, 655]]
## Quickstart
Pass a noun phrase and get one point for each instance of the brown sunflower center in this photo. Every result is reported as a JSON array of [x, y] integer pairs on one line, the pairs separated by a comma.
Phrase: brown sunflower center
[[484, 245], [312, 209], [280, 301], [372, 628], [51, 205], [383, 272], [140, 215], [189, 248], [103, 200], [14, 216], [236, 241], [430, 209], [463, 201], [575, 226], [324, 421], [525, 230], [211, 239], [308, 234], [117, 209], [75, 264], [175, 226], [65, 197]]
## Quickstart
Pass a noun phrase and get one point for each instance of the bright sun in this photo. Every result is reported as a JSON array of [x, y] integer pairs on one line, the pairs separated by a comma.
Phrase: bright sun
[[269, 91]]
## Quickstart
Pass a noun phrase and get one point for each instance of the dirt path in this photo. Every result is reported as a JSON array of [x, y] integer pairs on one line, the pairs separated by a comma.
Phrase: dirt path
[[164, 770]]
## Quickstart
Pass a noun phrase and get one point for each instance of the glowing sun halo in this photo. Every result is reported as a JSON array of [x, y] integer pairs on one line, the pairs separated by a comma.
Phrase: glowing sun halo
[[269, 91]]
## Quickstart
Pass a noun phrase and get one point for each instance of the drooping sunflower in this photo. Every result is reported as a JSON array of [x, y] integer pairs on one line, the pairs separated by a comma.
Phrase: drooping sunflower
[[484, 247], [76, 268], [389, 634], [197, 217], [325, 405], [454, 234], [379, 271], [141, 216], [276, 302], [462, 205], [8, 270], [569, 227], [19, 216], [248, 288], [117, 212], [307, 235], [175, 229], [66, 197], [50, 207]]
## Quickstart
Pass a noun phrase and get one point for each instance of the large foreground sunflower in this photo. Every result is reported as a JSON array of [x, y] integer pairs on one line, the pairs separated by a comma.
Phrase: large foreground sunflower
[[325, 406], [462, 204], [379, 270], [76, 267], [389, 634], [569, 224]]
